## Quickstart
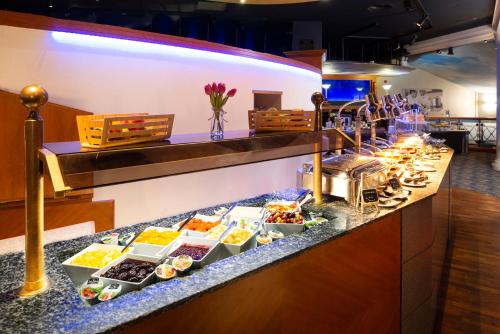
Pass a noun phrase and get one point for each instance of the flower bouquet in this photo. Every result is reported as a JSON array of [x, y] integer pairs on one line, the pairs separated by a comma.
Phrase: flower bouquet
[[218, 100]]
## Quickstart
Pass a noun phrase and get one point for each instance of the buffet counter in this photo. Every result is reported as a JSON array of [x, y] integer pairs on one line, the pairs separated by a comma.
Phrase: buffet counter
[[360, 273]]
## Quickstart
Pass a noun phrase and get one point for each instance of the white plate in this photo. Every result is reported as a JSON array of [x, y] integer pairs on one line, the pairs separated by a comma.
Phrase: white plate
[[414, 185], [425, 169], [389, 204]]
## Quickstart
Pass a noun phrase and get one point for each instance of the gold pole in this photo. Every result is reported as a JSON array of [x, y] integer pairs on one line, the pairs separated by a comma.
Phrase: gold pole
[[317, 99], [357, 133], [35, 281]]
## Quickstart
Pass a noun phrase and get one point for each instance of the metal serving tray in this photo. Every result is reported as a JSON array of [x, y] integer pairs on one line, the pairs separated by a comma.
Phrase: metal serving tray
[[341, 175]]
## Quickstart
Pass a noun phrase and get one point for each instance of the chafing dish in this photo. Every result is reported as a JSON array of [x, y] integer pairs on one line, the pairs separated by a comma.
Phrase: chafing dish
[[342, 174]]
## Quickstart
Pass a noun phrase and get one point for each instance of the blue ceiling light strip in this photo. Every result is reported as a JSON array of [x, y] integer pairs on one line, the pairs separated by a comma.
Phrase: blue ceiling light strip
[[137, 47]]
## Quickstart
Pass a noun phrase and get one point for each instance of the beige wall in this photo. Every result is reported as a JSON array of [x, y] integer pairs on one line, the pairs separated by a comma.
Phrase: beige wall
[[124, 81], [459, 100]]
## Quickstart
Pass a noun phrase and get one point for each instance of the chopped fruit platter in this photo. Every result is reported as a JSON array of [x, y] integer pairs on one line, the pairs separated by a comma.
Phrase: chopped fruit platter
[[104, 271]]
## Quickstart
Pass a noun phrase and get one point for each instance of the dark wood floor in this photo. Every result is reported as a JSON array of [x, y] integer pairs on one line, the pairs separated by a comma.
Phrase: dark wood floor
[[471, 297]]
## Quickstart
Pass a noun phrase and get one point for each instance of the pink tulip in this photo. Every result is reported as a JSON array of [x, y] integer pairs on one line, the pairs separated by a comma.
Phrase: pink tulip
[[214, 88], [208, 89], [232, 92], [221, 88]]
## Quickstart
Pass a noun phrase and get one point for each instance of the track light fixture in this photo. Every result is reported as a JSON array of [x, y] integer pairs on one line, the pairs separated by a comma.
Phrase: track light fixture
[[420, 24], [414, 39]]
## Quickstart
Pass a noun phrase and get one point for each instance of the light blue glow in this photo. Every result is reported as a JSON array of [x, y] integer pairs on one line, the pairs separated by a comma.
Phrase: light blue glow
[[137, 47]]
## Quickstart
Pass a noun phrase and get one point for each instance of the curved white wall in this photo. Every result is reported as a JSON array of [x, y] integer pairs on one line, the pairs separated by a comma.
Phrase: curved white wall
[[102, 77]]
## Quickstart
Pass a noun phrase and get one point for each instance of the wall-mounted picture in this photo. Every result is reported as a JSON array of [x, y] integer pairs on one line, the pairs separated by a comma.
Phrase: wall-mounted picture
[[429, 100]]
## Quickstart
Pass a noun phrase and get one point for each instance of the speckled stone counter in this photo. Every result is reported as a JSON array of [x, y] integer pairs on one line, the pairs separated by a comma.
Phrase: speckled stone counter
[[60, 310]]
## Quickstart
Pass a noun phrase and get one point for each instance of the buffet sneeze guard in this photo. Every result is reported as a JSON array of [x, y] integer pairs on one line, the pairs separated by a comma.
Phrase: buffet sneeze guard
[[72, 167]]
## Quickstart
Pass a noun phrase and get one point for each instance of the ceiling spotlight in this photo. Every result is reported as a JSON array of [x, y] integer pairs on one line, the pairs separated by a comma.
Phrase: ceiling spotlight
[[50, 4], [398, 46], [450, 52], [386, 86], [439, 52], [485, 41], [420, 24], [242, 1]]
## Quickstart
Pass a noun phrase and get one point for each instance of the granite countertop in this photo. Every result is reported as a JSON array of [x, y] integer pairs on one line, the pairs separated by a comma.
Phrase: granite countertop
[[60, 310]]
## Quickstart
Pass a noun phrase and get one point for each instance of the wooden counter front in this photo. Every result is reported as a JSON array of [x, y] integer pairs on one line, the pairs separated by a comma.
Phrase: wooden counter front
[[347, 285]]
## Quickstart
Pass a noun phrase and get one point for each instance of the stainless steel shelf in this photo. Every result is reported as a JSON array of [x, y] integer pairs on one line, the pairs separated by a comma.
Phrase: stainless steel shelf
[[82, 168]]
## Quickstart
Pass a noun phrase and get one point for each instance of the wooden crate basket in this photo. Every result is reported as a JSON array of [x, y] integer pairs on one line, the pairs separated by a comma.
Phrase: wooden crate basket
[[282, 120], [102, 131]]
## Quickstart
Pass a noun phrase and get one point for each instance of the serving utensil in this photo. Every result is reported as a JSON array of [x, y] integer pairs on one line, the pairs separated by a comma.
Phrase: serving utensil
[[223, 234], [130, 242], [304, 197], [229, 210], [188, 219]]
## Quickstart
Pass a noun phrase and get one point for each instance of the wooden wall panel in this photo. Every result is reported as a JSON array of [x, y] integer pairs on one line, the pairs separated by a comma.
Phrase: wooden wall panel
[[311, 57], [58, 214], [59, 125], [348, 285]]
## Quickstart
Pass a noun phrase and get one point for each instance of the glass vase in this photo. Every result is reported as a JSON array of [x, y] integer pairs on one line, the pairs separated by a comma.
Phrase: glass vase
[[217, 124]]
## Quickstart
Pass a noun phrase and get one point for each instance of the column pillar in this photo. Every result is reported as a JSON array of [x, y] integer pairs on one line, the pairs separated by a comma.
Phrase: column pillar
[[496, 163]]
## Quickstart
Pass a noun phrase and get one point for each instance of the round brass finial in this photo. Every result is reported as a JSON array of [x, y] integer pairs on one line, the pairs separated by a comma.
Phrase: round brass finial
[[33, 97], [317, 99]]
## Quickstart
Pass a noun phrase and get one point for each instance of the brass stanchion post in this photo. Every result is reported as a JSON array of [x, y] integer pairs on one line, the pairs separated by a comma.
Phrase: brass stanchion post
[[35, 281], [317, 99]]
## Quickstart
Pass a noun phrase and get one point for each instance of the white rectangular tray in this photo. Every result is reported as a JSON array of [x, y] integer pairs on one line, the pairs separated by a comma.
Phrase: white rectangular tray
[[152, 249], [237, 249], [129, 286], [80, 274], [212, 256]]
